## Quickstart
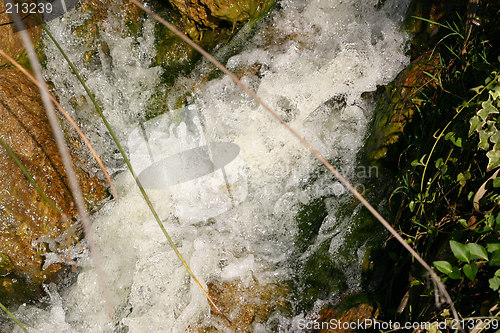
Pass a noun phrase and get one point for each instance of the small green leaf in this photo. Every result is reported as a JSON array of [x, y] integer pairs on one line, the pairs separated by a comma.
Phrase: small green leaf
[[463, 222], [415, 283], [460, 251], [457, 142], [477, 89], [455, 273], [443, 267], [477, 251], [475, 125], [496, 182], [495, 92], [494, 159], [411, 205], [494, 282], [484, 144], [495, 258], [497, 273], [492, 247], [438, 163], [470, 270]]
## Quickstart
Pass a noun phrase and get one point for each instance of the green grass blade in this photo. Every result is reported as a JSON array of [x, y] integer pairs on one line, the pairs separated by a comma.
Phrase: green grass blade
[[131, 169], [28, 175], [13, 317]]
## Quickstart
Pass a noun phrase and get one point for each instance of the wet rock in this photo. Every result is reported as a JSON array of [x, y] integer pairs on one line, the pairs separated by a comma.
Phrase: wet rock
[[30, 228], [246, 305], [352, 309], [97, 12], [397, 106], [202, 14], [10, 41]]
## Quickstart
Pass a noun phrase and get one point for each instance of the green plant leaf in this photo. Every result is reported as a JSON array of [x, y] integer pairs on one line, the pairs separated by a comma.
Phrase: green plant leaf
[[475, 125], [443, 267], [487, 109], [492, 247], [484, 143], [477, 251], [470, 270], [460, 251], [494, 282], [455, 273], [497, 273], [496, 182], [494, 159], [495, 258], [495, 92]]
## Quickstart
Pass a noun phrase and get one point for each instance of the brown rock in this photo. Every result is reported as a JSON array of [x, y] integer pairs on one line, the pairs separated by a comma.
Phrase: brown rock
[[29, 226], [10, 41], [210, 13], [244, 305]]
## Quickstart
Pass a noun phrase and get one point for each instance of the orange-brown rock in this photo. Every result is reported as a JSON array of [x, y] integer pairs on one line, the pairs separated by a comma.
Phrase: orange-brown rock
[[10, 41], [246, 305], [29, 226]]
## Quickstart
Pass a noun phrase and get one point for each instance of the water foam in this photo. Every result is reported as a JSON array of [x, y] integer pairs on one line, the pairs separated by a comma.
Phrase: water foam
[[317, 58]]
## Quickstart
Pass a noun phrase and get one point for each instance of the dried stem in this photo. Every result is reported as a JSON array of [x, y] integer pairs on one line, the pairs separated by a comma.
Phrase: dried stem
[[67, 163], [439, 285], [71, 121]]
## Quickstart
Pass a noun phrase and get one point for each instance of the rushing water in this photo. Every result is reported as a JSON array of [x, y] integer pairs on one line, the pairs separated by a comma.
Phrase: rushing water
[[316, 59]]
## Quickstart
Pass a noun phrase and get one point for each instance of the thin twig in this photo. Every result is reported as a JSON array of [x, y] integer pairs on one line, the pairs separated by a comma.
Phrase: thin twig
[[71, 121], [67, 163], [439, 285]]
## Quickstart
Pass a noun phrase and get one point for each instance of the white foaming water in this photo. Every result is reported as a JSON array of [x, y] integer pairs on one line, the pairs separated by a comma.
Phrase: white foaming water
[[316, 59]]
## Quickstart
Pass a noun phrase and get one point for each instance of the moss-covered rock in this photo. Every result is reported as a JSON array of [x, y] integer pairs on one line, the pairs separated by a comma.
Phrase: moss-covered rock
[[212, 14], [395, 110], [30, 228]]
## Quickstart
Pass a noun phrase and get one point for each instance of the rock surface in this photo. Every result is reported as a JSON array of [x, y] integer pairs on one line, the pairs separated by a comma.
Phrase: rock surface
[[10, 41], [29, 227], [212, 13], [398, 105]]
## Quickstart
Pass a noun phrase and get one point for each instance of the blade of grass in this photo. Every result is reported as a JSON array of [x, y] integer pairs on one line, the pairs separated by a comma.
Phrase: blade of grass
[[131, 169], [27, 174], [67, 163], [13, 318], [71, 121], [435, 278]]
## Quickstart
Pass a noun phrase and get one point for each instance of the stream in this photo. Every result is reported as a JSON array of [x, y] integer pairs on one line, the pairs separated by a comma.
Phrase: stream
[[239, 211]]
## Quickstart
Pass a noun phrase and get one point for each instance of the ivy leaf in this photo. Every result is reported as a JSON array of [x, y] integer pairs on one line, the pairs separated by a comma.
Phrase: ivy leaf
[[475, 125], [488, 108], [460, 251], [494, 282], [470, 270], [443, 267], [477, 89], [477, 251], [497, 273], [495, 91], [494, 159], [483, 140]]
